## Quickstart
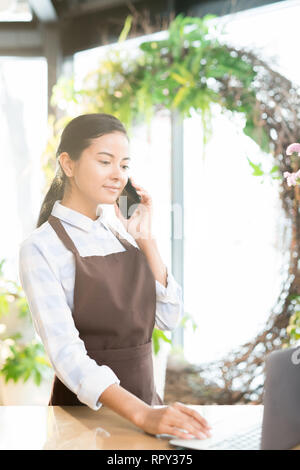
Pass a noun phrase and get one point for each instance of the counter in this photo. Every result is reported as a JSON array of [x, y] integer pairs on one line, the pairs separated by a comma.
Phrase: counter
[[81, 428]]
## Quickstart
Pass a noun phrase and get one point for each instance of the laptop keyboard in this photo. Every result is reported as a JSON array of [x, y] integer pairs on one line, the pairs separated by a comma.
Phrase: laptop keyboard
[[247, 440]]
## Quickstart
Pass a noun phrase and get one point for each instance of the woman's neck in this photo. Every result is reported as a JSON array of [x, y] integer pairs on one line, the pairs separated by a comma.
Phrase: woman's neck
[[79, 206]]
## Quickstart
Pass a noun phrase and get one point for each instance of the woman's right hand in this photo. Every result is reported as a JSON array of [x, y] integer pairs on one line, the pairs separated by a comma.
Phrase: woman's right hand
[[173, 419]]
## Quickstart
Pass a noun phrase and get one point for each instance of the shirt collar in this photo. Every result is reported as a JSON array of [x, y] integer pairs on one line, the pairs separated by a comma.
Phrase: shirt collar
[[76, 218]]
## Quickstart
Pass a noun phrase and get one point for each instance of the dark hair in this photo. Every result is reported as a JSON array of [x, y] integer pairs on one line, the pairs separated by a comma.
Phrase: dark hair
[[76, 137]]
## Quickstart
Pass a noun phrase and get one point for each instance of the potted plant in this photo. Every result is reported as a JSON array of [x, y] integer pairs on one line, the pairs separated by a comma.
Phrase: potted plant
[[25, 375], [25, 371]]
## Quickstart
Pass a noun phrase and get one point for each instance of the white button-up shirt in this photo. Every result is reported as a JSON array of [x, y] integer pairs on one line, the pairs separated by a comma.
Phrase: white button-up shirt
[[47, 276]]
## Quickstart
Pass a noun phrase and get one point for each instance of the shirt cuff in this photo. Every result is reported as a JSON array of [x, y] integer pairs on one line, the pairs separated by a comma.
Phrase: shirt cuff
[[93, 385], [172, 293]]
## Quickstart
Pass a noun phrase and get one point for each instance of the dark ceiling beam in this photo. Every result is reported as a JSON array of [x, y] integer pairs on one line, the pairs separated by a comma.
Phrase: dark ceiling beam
[[104, 27], [93, 6], [223, 7], [43, 10], [97, 28]]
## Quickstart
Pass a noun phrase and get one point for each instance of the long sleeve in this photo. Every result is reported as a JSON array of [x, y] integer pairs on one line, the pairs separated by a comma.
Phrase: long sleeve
[[53, 322], [169, 303]]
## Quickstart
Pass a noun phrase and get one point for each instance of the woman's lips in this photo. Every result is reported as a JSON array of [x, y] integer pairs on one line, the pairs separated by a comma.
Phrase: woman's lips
[[113, 190]]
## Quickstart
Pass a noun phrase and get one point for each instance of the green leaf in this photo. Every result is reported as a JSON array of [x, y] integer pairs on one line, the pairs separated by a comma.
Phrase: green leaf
[[179, 79], [155, 339], [26, 375], [126, 29], [37, 377], [4, 305], [180, 95], [275, 168], [26, 361], [257, 168], [208, 17], [1, 266], [258, 134], [188, 318], [157, 336]]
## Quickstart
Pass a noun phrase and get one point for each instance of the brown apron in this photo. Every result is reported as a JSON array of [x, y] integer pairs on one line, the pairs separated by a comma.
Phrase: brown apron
[[114, 312]]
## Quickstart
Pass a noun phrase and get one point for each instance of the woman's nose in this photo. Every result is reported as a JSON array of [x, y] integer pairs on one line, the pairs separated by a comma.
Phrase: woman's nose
[[117, 172]]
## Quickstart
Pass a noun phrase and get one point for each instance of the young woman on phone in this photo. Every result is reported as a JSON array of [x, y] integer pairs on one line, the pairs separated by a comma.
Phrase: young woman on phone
[[95, 293]]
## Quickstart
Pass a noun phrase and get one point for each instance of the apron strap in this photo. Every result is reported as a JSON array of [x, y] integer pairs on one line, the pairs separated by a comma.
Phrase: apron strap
[[126, 244], [62, 234], [68, 242]]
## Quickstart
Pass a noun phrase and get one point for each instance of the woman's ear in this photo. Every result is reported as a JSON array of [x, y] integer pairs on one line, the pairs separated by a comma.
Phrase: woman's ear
[[66, 163]]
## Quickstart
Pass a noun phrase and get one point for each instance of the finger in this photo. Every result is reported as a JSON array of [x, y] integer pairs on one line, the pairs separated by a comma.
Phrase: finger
[[137, 186], [192, 426], [141, 191], [193, 413], [144, 196], [178, 433], [181, 419], [132, 180]]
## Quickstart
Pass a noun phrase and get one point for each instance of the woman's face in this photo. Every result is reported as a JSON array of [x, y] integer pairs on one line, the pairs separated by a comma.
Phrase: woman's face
[[102, 165]]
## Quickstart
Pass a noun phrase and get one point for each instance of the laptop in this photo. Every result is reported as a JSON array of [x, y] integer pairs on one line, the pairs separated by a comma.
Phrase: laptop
[[274, 426]]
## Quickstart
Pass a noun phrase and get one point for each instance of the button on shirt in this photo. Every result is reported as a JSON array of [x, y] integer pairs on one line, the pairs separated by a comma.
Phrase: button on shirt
[[47, 276]]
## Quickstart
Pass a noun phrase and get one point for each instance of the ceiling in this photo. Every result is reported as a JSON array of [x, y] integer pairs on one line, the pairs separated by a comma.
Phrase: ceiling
[[83, 24]]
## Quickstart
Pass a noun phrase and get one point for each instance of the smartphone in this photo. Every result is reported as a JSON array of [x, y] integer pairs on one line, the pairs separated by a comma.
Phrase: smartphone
[[129, 197]]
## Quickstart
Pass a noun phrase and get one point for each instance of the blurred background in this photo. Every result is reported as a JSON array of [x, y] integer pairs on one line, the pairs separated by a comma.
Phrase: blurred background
[[220, 228]]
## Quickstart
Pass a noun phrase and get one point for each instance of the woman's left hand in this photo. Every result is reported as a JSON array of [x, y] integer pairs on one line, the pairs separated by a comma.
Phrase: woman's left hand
[[139, 223]]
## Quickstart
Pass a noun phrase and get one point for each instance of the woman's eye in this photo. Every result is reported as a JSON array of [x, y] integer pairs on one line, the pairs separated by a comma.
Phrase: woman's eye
[[106, 162]]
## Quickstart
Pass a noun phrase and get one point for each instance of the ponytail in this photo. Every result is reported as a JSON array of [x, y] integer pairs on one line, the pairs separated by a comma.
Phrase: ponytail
[[55, 192]]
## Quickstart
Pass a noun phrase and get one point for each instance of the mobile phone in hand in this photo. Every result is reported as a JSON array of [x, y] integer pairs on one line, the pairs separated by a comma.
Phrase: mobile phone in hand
[[131, 198]]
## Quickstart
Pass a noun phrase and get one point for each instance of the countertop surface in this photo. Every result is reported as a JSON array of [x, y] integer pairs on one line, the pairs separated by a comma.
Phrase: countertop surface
[[81, 428]]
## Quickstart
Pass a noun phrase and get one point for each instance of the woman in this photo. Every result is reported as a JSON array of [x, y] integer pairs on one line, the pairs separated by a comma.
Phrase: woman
[[95, 293]]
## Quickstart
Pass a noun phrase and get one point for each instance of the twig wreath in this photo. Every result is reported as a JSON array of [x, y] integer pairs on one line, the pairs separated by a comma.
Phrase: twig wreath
[[190, 70]]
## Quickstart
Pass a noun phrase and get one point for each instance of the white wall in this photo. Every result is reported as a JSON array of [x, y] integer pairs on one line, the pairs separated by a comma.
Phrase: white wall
[[23, 125]]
